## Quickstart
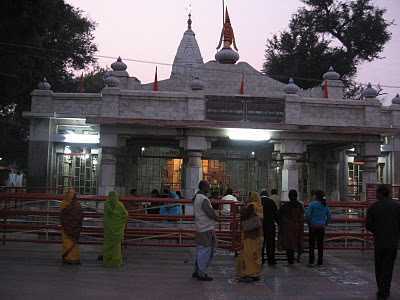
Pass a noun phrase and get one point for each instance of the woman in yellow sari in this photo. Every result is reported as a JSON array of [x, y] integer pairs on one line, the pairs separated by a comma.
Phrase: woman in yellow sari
[[115, 219], [71, 223], [249, 263]]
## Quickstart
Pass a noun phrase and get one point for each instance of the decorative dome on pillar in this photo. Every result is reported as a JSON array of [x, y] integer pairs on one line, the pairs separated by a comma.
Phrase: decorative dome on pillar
[[370, 92], [227, 55], [331, 74], [291, 88], [44, 85], [396, 100], [119, 65], [197, 84]]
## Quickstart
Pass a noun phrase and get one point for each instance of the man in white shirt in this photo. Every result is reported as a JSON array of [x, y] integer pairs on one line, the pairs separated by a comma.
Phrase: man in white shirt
[[226, 208], [205, 220]]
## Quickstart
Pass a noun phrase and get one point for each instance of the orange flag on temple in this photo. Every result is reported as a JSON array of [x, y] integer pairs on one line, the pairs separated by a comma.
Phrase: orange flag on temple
[[155, 83], [242, 85], [325, 89]]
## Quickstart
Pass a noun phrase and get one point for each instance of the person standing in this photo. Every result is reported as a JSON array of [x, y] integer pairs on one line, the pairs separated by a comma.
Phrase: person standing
[[270, 213], [226, 208], [115, 219], [205, 220], [318, 217], [249, 261], [291, 226], [383, 220], [71, 218], [275, 197]]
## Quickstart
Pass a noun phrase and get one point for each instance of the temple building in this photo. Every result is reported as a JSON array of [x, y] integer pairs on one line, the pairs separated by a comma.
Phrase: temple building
[[221, 120]]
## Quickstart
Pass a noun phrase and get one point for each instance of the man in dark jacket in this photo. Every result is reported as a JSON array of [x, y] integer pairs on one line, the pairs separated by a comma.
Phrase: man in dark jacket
[[270, 218], [383, 220]]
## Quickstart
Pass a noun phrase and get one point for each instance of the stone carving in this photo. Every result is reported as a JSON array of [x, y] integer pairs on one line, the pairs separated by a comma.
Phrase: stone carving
[[396, 100], [370, 92], [44, 85], [291, 87], [331, 74], [119, 65]]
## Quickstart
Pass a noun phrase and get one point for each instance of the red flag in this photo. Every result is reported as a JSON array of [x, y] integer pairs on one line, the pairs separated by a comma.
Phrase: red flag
[[325, 88], [242, 85], [81, 84], [155, 83]]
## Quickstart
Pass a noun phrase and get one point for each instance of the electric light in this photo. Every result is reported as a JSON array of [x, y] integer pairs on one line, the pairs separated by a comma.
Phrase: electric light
[[75, 138], [244, 134]]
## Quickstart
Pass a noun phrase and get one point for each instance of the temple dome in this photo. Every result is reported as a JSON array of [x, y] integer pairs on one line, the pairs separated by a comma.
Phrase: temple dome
[[227, 56], [188, 54]]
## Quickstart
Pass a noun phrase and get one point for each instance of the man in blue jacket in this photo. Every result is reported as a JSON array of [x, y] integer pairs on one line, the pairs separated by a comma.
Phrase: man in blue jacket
[[383, 220], [318, 217]]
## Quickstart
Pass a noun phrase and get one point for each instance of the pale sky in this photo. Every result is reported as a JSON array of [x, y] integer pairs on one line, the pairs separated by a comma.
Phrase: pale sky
[[151, 30]]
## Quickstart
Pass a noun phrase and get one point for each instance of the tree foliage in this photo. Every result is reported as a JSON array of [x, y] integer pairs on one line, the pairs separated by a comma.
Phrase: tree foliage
[[326, 33], [38, 38]]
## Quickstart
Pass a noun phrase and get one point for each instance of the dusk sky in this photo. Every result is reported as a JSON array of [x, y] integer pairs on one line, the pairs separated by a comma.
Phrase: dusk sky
[[151, 30]]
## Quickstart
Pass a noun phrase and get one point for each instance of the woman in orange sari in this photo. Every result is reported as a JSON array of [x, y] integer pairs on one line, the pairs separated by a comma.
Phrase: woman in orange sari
[[249, 261], [71, 222]]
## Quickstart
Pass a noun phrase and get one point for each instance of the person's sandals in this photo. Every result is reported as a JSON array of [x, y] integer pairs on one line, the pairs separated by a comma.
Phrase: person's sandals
[[204, 278], [246, 279]]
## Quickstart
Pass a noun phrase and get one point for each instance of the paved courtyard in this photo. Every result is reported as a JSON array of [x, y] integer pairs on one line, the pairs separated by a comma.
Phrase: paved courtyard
[[34, 271]]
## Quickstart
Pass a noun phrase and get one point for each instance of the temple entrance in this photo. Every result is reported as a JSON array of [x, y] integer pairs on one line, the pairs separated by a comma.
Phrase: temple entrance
[[77, 168], [157, 168]]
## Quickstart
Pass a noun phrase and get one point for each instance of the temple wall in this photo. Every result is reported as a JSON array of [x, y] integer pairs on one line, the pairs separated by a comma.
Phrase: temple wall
[[141, 104]]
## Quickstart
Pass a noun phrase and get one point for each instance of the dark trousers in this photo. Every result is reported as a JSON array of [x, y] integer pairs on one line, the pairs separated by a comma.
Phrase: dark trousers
[[269, 243], [290, 256], [316, 235], [384, 261]]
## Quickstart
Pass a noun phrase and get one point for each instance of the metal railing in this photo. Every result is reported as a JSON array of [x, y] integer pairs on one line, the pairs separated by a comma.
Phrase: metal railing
[[34, 217]]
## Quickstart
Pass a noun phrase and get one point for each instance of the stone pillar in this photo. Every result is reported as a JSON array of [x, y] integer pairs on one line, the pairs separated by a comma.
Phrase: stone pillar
[[108, 169], [40, 154], [370, 153], [343, 175], [291, 151], [332, 176], [290, 175], [193, 171], [396, 161], [108, 166]]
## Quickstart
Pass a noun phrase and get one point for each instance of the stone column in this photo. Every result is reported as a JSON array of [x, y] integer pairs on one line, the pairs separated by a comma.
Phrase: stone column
[[396, 161], [332, 176], [193, 172], [291, 151], [108, 169], [343, 175], [370, 153], [290, 175], [40, 154], [108, 166]]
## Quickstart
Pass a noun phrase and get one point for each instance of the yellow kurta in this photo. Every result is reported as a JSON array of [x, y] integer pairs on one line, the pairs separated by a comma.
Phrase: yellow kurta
[[249, 261]]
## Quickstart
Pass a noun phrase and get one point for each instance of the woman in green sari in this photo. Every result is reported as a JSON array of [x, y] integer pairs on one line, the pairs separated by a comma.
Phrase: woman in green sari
[[115, 219]]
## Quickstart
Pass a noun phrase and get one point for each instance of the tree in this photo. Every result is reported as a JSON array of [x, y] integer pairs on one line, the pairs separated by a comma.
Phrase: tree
[[327, 33], [42, 38], [92, 82]]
